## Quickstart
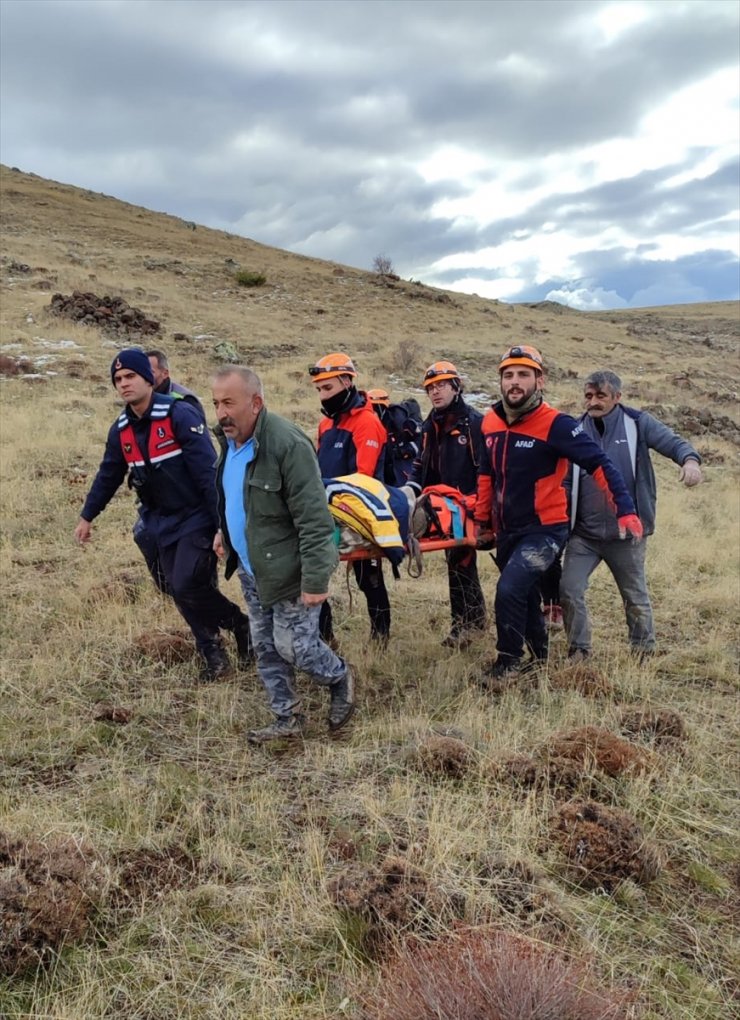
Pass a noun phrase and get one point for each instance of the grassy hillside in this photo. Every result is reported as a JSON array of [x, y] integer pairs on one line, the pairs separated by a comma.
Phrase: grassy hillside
[[184, 874]]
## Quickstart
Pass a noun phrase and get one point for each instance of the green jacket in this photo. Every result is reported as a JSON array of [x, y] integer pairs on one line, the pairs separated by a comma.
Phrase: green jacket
[[290, 532]]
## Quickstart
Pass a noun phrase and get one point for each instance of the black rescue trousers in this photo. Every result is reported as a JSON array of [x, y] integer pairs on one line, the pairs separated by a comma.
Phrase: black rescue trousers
[[467, 604], [185, 570], [370, 580]]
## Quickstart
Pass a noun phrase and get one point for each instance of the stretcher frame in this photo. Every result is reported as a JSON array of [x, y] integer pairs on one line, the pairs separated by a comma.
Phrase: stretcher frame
[[425, 545]]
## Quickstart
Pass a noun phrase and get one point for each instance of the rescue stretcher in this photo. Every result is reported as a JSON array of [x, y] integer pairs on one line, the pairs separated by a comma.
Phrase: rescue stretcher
[[425, 545]]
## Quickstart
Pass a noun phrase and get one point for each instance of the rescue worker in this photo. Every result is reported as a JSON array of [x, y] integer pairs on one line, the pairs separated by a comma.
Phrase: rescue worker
[[277, 530], [145, 539], [402, 423], [352, 439], [450, 453], [164, 448], [163, 383], [627, 436], [522, 501]]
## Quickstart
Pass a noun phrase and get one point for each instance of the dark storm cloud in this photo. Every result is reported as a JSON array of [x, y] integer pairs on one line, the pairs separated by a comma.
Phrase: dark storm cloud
[[303, 124]]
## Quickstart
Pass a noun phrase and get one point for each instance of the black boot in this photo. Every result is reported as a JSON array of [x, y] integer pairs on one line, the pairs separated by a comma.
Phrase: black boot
[[215, 665], [244, 647]]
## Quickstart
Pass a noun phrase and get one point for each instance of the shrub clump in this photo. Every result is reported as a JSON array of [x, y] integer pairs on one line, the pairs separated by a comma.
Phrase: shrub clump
[[583, 678], [125, 586], [249, 278], [48, 893], [443, 756], [389, 897], [559, 776], [487, 975], [170, 647], [662, 726], [596, 748], [603, 846]]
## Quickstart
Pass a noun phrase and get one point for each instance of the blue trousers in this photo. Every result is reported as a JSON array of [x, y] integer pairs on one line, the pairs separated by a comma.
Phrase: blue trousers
[[522, 560]]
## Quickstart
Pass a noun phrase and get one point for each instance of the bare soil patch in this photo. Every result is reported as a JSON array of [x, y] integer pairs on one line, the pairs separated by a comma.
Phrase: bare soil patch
[[662, 726]]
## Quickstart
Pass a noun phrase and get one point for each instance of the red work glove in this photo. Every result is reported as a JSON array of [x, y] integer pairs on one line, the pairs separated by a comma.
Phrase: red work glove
[[630, 526]]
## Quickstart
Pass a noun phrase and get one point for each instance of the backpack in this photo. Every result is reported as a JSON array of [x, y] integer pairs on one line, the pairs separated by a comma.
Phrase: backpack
[[443, 513], [403, 424]]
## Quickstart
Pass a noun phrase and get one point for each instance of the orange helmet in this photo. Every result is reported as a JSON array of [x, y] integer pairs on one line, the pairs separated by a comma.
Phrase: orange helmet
[[439, 372], [332, 365], [379, 396], [521, 354]]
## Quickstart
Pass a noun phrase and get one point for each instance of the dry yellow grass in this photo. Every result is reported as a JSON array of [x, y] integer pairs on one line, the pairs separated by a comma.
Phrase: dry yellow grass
[[242, 925]]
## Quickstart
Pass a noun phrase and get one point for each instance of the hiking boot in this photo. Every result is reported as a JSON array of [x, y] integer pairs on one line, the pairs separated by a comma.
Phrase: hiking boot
[[498, 675], [578, 655], [342, 704], [285, 727], [553, 616], [215, 665], [244, 646]]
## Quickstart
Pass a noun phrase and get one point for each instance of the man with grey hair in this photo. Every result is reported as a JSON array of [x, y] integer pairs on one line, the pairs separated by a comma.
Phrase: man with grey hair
[[627, 436], [276, 529], [163, 383]]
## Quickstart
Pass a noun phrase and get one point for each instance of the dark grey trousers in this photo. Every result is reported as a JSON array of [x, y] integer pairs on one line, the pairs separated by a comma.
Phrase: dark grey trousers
[[626, 560]]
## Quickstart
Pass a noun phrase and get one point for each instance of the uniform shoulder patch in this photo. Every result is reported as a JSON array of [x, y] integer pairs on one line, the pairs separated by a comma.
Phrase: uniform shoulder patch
[[198, 429]]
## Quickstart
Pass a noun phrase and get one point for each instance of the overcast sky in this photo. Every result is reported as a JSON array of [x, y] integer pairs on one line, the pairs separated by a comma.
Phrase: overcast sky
[[576, 150]]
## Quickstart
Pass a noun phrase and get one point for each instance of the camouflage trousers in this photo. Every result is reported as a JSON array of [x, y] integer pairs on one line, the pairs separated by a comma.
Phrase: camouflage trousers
[[285, 638]]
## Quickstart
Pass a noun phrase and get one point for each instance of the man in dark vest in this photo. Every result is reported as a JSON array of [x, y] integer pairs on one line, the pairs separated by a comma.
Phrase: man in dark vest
[[163, 383], [163, 446]]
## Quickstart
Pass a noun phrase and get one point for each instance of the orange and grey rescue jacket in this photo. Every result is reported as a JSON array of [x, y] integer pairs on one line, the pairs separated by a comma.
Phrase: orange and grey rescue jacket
[[524, 467]]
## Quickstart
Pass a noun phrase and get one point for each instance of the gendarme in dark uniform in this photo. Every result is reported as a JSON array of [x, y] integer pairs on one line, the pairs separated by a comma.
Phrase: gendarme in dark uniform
[[162, 445]]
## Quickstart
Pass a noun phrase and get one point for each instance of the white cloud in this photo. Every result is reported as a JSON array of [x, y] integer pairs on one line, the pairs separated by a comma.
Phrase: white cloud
[[587, 299]]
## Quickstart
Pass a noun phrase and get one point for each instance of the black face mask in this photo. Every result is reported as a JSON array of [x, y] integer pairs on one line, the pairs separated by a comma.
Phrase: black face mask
[[336, 404]]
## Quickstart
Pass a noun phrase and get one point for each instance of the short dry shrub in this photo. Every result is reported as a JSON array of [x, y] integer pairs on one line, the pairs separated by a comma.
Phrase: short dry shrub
[[660, 725], [249, 278], [484, 974], [520, 891], [14, 366], [391, 897], [105, 711], [405, 357], [598, 748], [559, 776], [603, 846], [583, 678], [170, 647], [149, 873], [48, 894], [443, 756]]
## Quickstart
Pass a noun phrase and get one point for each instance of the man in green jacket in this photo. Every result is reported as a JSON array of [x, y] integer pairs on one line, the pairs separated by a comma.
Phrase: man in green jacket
[[276, 530]]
